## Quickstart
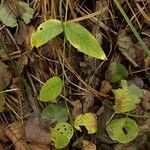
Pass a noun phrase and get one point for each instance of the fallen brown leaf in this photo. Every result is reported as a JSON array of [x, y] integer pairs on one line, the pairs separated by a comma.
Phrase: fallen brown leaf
[[15, 133], [105, 87], [5, 76], [145, 102], [36, 146], [35, 133], [87, 145], [77, 108]]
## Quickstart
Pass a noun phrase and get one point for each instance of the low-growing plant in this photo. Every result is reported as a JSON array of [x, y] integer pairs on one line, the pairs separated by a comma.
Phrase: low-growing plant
[[126, 98]]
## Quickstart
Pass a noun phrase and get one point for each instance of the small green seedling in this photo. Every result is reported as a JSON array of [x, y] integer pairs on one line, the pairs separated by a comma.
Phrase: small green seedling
[[76, 34]]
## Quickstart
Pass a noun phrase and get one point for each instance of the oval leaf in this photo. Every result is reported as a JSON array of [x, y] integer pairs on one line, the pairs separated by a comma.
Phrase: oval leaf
[[127, 97], [116, 72], [45, 32], [83, 40], [61, 135], [57, 112], [51, 89], [122, 130], [88, 120]]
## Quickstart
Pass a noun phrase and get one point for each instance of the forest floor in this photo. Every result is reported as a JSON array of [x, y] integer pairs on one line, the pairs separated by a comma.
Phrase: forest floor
[[89, 84]]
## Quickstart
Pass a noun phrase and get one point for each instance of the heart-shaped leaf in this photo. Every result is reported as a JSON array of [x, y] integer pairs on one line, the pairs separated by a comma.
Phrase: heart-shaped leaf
[[57, 112], [46, 31], [51, 89], [83, 40], [61, 135], [89, 120], [116, 72], [127, 97], [122, 130]]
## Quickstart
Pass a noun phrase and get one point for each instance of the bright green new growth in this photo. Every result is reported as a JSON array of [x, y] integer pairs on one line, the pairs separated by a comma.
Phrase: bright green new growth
[[83, 40], [127, 97], [61, 135], [51, 89], [77, 35], [56, 112], [122, 130], [116, 72], [89, 120]]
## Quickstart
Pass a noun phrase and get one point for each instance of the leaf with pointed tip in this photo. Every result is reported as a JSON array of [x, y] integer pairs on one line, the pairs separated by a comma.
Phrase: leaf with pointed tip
[[83, 40]]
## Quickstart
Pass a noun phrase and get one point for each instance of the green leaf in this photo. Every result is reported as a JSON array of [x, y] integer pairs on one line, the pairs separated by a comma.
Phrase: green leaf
[[58, 112], [127, 97], [26, 13], [7, 17], [46, 31], [83, 40], [122, 130], [61, 135], [116, 72], [51, 89], [89, 120]]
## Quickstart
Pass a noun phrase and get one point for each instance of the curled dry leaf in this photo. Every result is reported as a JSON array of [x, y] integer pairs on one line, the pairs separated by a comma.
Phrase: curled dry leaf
[[126, 47], [37, 135], [3, 137], [87, 145], [1, 147], [36, 146], [77, 108], [137, 81], [145, 102], [22, 62], [88, 101], [141, 55], [5, 76], [105, 87], [21, 32], [82, 144], [15, 132]]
